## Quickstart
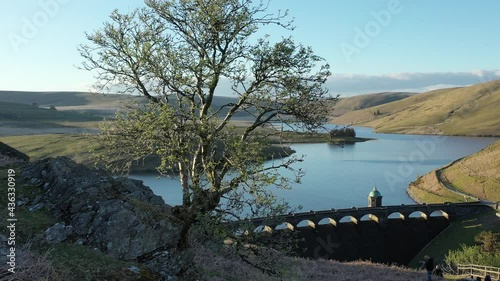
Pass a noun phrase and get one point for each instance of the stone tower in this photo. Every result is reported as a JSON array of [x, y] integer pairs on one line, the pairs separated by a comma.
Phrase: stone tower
[[375, 198]]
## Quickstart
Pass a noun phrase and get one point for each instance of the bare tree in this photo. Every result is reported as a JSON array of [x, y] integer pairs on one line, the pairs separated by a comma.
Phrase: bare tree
[[176, 54]]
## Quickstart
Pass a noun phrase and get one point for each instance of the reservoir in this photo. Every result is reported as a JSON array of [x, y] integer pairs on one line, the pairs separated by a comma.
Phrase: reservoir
[[341, 177]]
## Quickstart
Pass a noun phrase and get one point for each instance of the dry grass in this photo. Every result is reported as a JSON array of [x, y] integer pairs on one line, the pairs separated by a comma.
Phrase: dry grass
[[478, 174], [33, 267], [428, 189], [77, 147], [224, 265], [456, 111], [348, 104]]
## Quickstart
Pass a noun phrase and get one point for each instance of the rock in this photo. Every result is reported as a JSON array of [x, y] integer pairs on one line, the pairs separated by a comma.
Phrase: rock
[[58, 233], [36, 207], [134, 269], [121, 217], [22, 201], [3, 250], [158, 261], [135, 189], [9, 155]]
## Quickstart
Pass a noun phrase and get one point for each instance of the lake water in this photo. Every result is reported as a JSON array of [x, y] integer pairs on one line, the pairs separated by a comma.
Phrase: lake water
[[341, 177]]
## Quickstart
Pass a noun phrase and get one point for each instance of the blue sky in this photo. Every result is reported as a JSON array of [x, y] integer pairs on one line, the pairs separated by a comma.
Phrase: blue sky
[[371, 45]]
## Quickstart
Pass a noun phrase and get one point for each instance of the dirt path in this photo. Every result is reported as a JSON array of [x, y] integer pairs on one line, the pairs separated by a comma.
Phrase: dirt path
[[445, 184]]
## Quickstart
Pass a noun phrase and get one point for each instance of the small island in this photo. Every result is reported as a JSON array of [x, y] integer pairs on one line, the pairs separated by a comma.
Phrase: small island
[[344, 135]]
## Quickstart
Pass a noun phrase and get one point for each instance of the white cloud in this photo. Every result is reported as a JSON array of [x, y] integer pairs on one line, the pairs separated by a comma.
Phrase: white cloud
[[353, 84]]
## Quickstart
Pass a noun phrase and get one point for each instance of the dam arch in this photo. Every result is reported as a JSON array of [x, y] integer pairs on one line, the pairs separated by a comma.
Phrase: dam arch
[[439, 213], [348, 219], [396, 216], [327, 221], [306, 223], [370, 217], [284, 226]]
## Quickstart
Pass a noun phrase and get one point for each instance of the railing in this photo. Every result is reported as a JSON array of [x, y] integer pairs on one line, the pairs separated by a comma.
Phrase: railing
[[479, 271]]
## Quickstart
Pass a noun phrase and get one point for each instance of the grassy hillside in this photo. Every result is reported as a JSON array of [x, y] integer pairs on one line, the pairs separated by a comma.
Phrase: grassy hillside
[[461, 231], [23, 119], [470, 111], [348, 104], [477, 175], [45, 99], [427, 189], [83, 102], [99, 104], [77, 147]]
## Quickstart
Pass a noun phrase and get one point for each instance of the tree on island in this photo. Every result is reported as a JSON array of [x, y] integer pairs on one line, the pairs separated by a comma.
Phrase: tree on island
[[342, 132], [176, 54]]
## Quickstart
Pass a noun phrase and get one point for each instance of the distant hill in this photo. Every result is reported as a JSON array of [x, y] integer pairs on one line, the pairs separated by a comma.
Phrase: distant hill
[[472, 111], [22, 112], [477, 175], [84, 102], [28, 113], [23, 119], [348, 104]]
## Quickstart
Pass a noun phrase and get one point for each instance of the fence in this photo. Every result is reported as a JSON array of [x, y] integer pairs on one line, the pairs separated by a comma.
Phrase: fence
[[479, 271]]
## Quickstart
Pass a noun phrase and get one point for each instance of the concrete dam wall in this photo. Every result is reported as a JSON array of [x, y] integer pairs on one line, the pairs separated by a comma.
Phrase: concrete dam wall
[[389, 234]]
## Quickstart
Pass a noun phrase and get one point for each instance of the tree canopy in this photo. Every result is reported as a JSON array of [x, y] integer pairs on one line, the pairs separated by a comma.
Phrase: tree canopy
[[177, 55]]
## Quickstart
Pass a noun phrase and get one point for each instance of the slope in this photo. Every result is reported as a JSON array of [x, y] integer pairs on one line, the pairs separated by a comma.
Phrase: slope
[[477, 175], [348, 104], [471, 110]]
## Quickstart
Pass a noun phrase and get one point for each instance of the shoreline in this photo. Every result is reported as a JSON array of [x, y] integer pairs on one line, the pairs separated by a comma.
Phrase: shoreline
[[416, 134]]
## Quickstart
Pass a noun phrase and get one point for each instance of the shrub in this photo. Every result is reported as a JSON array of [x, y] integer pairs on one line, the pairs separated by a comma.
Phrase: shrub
[[489, 240], [343, 132], [472, 255], [35, 267]]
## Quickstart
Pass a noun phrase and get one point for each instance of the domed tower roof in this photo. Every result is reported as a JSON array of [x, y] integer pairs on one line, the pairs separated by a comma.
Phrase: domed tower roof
[[375, 193]]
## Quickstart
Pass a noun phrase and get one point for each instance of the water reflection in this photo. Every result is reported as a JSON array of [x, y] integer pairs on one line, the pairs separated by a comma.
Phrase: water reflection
[[342, 177]]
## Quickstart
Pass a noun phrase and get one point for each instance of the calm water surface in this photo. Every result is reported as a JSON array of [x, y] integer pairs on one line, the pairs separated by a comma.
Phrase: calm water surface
[[341, 177]]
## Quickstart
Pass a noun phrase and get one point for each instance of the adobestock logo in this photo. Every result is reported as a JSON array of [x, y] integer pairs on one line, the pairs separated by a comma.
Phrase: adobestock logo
[[407, 166], [31, 26], [364, 36]]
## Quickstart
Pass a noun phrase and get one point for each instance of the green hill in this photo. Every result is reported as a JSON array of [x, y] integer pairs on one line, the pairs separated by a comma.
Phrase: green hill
[[471, 111]]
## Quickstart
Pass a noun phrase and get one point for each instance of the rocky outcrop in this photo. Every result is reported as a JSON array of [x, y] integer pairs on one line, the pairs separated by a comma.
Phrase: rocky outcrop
[[119, 216], [9, 155]]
